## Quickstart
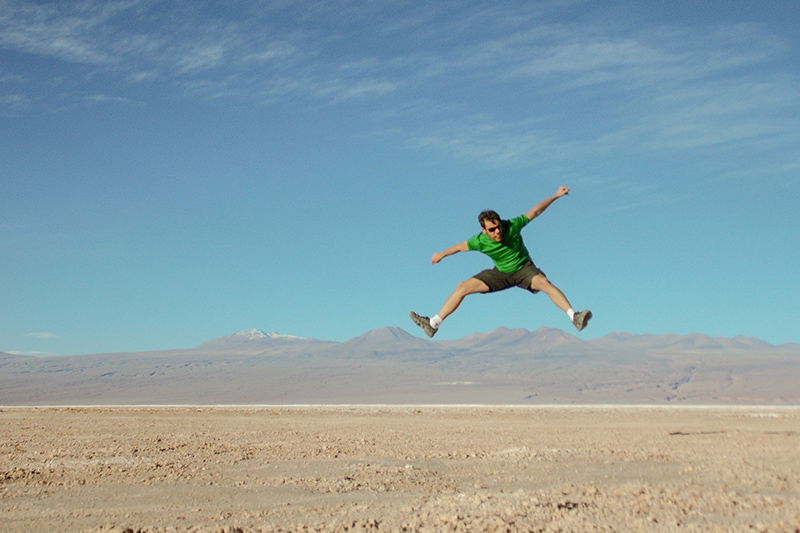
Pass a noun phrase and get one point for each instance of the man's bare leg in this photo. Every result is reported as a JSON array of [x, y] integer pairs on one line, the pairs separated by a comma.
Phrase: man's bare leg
[[541, 283], [579, 319], [464, 289], [431, 325]]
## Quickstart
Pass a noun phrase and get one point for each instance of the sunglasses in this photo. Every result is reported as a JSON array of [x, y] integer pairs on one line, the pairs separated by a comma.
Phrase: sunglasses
[[492, 230]]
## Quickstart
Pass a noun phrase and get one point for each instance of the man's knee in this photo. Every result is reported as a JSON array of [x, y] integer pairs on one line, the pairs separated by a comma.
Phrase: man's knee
[[471, 286], [541, 283]]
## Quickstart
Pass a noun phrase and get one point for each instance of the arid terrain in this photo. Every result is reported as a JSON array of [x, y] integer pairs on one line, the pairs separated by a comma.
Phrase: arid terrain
[[390, 366], [400, 468]]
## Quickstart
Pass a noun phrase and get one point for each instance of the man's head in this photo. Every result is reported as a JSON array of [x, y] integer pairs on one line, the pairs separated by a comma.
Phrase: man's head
[[490, 223]]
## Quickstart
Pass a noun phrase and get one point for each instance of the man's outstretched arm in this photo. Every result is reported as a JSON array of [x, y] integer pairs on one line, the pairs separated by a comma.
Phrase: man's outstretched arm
[[539, 208], [460, 247]]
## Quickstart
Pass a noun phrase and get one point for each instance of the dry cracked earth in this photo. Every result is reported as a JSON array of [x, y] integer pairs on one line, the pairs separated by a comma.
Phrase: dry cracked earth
[[214, 469]]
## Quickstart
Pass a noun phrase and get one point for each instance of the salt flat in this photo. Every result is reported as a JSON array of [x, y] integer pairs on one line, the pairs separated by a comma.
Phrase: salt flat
[[400, 468]]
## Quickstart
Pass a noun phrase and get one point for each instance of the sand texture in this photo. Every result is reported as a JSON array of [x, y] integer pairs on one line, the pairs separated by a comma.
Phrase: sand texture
[[400, 469]]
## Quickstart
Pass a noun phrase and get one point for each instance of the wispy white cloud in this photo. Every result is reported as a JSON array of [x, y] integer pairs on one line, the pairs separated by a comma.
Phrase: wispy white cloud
[[42, 335], [13, 104], [189, 49], [75, 32], [102, 98], [646, 90], [8, 78], [726, 113], [273, 53], [643, 87], [495, 143], [343, 89], [201, 57]]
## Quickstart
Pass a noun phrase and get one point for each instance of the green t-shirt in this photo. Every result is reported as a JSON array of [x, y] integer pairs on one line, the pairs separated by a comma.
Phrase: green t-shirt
[[510, 254]]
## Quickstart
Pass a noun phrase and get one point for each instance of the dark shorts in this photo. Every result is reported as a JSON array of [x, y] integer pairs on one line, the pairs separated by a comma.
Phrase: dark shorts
[[499, 281]]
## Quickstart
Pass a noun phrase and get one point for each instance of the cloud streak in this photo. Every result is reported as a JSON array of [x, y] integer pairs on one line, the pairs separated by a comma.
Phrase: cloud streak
[[650, 87], [42, 335]]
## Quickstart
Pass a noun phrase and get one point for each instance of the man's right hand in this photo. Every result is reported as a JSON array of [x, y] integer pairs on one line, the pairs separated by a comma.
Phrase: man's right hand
[[460, 247]]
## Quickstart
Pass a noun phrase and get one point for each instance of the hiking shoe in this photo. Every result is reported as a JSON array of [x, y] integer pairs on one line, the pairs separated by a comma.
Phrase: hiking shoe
[[581, 319], [425, 323]]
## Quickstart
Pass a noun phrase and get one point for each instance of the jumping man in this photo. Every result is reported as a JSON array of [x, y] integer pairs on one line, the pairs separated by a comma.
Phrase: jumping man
[[513, 267]]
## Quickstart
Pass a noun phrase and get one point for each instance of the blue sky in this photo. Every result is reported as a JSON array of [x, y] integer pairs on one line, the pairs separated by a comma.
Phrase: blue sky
[[172, 172]]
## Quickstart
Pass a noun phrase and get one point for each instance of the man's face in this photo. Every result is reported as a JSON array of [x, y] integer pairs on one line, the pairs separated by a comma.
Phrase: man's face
[[493, 230]]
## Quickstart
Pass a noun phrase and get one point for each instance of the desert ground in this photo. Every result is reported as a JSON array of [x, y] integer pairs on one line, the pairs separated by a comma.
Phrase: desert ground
[[399, 468]]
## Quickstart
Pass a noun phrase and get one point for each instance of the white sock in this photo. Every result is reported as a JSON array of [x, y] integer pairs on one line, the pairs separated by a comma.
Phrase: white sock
[[570, 313], [436, 322]]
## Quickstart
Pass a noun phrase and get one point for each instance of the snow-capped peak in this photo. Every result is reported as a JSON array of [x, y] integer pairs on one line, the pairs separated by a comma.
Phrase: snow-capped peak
[[255, 334], [251, 334]]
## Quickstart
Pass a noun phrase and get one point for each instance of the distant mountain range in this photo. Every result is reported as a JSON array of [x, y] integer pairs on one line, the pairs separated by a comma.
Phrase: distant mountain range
[[391, 366]]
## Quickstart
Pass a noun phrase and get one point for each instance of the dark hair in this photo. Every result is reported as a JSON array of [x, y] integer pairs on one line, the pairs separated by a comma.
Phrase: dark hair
[[489, 215]]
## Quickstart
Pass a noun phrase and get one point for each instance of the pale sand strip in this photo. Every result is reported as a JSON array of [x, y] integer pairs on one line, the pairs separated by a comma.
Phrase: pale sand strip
[[413, 468]]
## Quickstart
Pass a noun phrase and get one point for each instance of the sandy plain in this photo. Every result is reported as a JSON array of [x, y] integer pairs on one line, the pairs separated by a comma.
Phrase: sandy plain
[[399, 468]]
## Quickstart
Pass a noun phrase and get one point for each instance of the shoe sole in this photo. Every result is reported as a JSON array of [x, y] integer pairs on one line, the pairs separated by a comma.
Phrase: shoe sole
[[585, 321], [422, 322]]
